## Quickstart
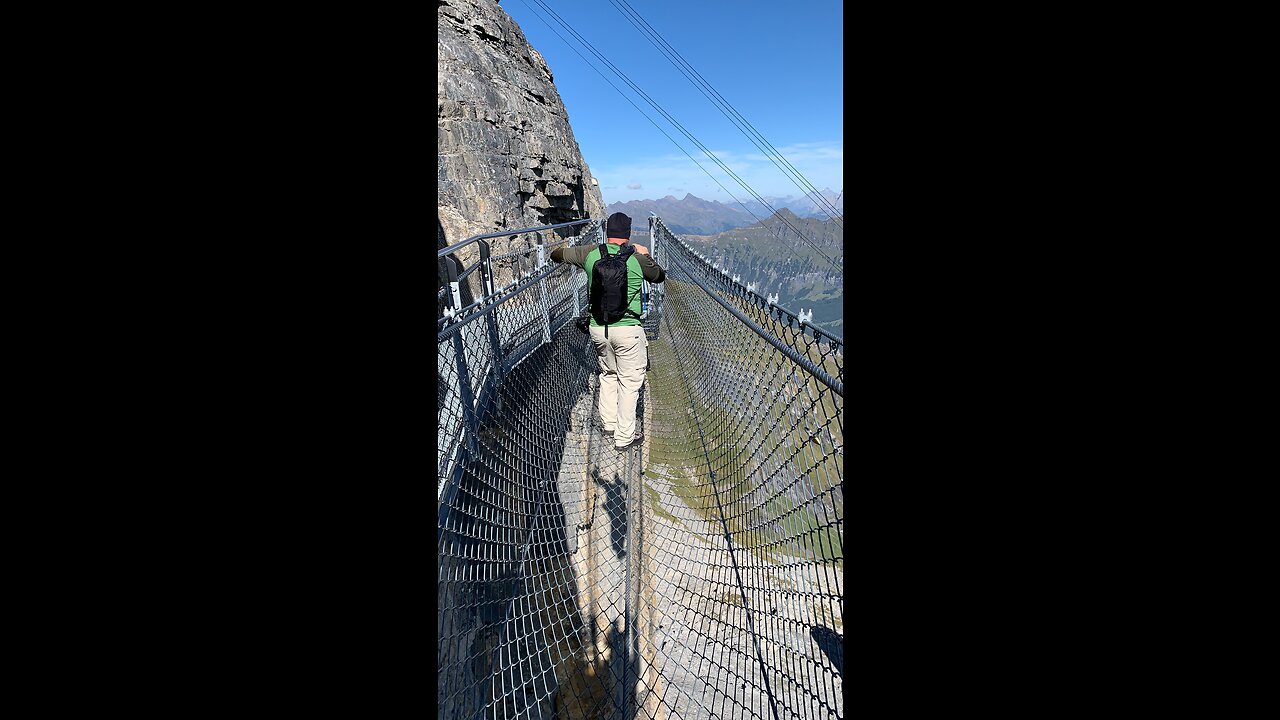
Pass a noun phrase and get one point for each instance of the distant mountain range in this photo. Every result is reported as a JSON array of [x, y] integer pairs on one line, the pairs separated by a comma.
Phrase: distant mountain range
[[771, 255], [695, 216]]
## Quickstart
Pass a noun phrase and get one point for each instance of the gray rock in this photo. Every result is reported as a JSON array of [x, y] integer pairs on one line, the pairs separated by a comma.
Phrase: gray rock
[[507, 157]]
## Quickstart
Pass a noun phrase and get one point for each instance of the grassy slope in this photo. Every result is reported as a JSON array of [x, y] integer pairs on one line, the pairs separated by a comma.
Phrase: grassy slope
[[678, 459], [797, 272]]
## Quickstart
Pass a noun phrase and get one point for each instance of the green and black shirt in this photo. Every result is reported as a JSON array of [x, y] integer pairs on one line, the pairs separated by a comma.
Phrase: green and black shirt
[[638, 265]]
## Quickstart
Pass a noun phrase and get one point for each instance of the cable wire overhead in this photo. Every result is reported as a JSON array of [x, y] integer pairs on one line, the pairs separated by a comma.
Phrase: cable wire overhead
[[726, 108], [706, 151]]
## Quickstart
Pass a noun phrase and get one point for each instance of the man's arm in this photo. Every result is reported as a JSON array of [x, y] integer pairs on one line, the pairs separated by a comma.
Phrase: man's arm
[[653, 272], [572, 255]]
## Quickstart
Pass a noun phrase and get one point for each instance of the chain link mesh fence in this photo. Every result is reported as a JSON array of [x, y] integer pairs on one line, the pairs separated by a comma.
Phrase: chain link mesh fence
[[698, 575]]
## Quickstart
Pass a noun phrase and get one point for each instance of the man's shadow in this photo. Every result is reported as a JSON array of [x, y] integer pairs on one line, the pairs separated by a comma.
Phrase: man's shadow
[[615, 504], [832, 645]]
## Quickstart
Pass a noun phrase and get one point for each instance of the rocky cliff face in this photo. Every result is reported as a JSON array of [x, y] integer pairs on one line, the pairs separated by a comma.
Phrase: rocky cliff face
[[507, 156]]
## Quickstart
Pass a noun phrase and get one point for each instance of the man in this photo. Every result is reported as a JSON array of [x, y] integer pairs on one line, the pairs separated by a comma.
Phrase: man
[[623, 353]]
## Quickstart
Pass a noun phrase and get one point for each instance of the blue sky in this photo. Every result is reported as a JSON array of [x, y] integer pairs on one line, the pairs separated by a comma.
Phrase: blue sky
[[780, 65]]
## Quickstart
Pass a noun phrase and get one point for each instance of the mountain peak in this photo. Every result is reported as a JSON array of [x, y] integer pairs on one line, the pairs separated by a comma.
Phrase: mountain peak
[[697, 216]]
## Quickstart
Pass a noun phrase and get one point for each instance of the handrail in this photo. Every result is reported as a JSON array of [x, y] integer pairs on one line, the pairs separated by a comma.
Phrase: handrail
[[504, 233], [804, 362], [761, 301]]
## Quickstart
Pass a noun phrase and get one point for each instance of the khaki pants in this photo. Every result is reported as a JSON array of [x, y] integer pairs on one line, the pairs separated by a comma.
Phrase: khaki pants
[[622, 357]]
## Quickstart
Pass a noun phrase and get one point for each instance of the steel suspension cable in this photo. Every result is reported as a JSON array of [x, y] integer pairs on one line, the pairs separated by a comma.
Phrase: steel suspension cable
[[652, 103], [726, 108]]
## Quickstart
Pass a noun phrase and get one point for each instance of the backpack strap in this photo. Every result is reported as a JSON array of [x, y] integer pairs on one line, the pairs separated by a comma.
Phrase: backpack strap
[[627, 250], [628, 309]]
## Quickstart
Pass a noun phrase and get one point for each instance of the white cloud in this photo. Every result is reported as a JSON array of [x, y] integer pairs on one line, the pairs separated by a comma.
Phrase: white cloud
[[822, 164]]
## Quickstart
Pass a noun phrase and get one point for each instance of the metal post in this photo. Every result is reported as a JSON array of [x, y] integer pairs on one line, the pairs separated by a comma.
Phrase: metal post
[[542, 289], [656, 250], [486, 268], [454, 300], [579, 281], [486, 274]]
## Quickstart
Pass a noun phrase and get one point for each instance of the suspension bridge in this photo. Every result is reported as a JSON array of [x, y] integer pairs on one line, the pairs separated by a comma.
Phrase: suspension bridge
[[696, 575]]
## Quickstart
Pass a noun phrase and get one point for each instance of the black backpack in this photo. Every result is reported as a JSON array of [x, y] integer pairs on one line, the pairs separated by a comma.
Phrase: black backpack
[[609, 302]]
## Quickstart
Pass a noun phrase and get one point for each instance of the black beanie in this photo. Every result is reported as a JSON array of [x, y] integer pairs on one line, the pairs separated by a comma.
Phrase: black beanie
[[619, 226]]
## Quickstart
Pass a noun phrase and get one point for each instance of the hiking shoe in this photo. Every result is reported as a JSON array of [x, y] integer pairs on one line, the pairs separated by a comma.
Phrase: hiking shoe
[[634, 441]]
